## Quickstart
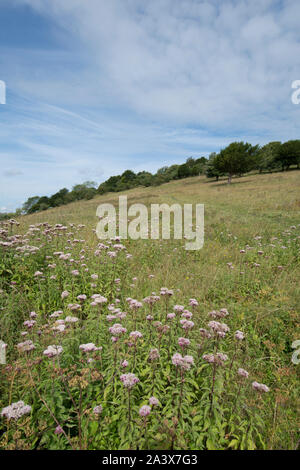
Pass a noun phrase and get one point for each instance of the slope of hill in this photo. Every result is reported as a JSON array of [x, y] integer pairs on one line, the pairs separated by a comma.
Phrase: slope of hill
[[249, 265]]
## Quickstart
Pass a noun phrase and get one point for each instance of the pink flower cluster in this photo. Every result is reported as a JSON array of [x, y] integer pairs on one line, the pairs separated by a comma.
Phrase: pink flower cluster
[[178, 308], [136, 334], [98, 299], [145, 410], [153, 401], [154, 354], [89, 347], [220, 329], [134, 304], [204, 333], [129, 380], [117, 329], [97, 410], [53, 351], [260, 387], [166, 291], [151, 299], [29, 323], [26, 346], [223, 312], [186, 324], [239, 335], [183, 342], [184, 363], [243, 373], [218, 358], [16, 410]]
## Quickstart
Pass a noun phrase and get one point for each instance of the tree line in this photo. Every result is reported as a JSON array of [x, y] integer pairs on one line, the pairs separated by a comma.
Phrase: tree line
[[237, 159]]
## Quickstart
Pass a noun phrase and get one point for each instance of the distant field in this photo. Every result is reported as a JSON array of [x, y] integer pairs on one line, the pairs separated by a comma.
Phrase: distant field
[[201, 407]]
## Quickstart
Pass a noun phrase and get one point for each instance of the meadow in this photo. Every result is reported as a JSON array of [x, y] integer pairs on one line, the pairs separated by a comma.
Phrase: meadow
[[123, 344]]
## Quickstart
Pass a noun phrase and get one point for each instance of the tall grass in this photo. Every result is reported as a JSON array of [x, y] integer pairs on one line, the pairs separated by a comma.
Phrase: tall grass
[[249, 265]]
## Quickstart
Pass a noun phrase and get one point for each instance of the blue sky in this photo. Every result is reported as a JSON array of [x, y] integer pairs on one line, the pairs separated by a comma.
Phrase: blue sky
[[95, 87]]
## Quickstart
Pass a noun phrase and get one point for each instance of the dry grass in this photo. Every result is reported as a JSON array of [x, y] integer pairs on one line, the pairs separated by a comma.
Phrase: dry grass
[[263, 300]]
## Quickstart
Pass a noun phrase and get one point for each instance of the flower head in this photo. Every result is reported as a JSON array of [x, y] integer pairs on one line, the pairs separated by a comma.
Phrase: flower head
[[218, 358], [53, 351], [183, 342], [239, 335], [260, 387], [220, 329], [26, 346], [186, 324], [153, 401], [182, 362], [70, 319], [178, 308], [145, 410], [136, 334], [97, 410], [129, 380], [243, 373], [154, 354], [58, 430], [88, 347], [16, 410], [117, 329], [64, 294]]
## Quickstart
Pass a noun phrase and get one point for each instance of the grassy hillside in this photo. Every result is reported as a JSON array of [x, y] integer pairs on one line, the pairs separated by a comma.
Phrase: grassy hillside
[[249, 265]]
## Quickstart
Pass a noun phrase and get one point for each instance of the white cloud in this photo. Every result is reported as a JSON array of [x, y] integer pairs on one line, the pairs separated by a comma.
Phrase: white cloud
[[140, 84], [12, 172], [212, 64]]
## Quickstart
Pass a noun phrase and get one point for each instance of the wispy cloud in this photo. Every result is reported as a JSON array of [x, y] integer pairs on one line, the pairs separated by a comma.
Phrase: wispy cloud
[[214, 64], [134, 84], [12, 172]]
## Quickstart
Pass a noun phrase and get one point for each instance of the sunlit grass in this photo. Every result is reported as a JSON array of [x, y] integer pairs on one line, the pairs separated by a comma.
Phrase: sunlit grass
[[260, 291]]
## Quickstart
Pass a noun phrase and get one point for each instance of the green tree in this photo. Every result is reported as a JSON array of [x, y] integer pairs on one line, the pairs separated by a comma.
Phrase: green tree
[[167, 173], [59, 198], [109, 185], [184, 171], [42, 204], [211, 170], [128, 180], [236, 159], [268, 157], [144, 178], [31, 201], [289, 154], [86, 190]]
